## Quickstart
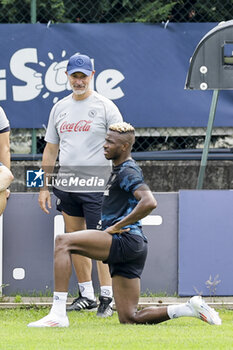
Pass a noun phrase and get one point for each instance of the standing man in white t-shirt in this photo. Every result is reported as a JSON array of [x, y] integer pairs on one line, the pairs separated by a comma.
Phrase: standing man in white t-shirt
[[77, 128]]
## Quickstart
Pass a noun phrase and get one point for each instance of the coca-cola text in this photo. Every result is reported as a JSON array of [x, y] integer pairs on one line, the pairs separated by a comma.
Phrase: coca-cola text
[[82, 125]]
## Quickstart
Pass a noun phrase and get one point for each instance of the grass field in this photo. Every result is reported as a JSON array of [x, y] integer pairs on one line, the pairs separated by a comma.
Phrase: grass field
[[86, 331]]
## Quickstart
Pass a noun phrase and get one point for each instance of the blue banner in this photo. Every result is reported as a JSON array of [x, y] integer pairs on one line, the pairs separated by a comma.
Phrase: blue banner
[[141, 67]]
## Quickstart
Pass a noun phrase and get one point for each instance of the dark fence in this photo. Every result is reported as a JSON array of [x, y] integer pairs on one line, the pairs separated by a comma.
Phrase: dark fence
[[106, 11]]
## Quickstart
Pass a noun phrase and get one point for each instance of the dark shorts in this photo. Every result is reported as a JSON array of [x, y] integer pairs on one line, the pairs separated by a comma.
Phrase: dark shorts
[[127, 255], [87, 205]]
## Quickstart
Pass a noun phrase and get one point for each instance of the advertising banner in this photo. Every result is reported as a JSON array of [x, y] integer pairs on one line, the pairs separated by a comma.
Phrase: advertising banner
[[141, 67]]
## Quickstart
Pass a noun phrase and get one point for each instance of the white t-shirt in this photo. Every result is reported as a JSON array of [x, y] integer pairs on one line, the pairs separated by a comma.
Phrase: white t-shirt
[[4, 122], [79, 127]]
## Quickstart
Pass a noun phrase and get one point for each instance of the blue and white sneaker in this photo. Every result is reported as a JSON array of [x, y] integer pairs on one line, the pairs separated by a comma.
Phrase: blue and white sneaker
[[203, 311]]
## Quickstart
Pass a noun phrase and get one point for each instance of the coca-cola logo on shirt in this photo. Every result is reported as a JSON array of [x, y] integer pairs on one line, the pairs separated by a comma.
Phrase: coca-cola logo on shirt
[[82, 125]]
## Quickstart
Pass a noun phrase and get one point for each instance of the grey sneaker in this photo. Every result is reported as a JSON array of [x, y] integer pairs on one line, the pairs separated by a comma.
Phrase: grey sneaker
[[82, 303], [104, 308]]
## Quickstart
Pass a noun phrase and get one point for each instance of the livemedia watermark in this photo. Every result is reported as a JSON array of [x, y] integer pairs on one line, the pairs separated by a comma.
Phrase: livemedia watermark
[[74, 179]]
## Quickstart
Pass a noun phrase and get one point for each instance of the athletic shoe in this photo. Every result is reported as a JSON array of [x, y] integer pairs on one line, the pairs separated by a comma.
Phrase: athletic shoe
[[82, 303], [203, 311], [104, 309], [50, 320]]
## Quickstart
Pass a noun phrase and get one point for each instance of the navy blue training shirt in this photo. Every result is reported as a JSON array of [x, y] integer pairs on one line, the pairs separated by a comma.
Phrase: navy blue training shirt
[[119, 200]]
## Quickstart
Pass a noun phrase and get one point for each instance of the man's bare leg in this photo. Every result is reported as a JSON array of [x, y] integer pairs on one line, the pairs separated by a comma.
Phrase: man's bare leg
[[96, 244], [82, 266], [126, 294], [91, 243], [103, 273]]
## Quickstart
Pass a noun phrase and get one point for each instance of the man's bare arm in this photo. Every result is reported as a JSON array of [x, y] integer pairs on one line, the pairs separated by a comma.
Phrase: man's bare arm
[[5, 157], [144, 207], [48, 162]]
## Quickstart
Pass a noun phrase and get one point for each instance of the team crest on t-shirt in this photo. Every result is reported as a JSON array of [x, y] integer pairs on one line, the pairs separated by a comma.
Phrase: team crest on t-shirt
[[92, 113]]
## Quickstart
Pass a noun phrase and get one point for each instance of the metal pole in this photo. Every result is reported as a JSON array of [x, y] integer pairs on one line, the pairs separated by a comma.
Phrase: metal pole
[[33, 21], [33, 11], [207, 139]]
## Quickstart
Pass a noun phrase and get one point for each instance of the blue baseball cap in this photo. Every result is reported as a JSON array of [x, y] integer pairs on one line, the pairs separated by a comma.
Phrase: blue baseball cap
[[79, 63]]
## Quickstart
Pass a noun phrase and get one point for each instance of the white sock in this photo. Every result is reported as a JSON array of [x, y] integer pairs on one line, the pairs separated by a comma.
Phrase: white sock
[[86, 290], [59, 304], [106, 291], [181, 310]]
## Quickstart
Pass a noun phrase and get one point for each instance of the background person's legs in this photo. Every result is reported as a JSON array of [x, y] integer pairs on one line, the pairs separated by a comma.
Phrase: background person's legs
[[92, 213], [103, 273], [91, 205], [105, 308], [82, 266]]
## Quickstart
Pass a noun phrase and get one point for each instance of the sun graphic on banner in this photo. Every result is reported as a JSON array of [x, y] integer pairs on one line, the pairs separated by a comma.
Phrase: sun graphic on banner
[[55, 79]]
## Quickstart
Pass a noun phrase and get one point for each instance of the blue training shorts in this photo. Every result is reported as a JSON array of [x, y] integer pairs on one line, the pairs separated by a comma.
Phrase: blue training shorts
[[85, 204], [127, 255]]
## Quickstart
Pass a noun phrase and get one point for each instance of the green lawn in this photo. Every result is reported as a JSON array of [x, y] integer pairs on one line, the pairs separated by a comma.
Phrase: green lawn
[[86, 331]]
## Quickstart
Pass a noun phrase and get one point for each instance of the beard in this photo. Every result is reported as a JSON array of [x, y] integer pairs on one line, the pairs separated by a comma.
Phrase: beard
[[81, 91]]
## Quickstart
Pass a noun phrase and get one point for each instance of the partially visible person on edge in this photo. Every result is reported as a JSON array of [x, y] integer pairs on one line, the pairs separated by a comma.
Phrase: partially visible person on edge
[[6, 178], [121, 244], [5, 157], [76, 129]]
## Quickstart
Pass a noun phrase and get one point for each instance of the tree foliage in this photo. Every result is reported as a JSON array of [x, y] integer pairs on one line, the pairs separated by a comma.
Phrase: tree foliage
[[102, 11]]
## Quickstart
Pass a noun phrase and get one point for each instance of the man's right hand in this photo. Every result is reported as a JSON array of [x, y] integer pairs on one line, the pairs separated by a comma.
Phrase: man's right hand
[[45, 200]]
